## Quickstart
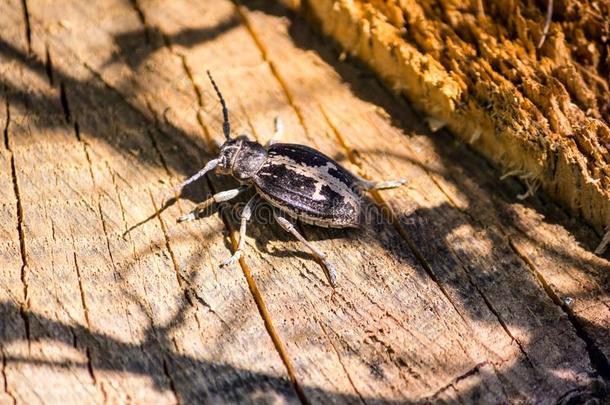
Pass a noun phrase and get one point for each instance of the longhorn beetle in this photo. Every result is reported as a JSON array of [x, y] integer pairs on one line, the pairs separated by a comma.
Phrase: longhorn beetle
[[298, 182]]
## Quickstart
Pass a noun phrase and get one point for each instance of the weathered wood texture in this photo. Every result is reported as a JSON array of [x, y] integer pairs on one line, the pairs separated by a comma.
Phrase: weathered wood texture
[[532, 99], [457, 292]]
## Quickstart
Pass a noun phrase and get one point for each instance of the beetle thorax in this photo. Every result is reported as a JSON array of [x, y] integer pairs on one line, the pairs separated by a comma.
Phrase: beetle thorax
[[241, 158]]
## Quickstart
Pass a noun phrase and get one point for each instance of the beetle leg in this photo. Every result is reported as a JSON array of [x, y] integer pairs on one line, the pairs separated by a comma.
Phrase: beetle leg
[[218, 197], [379, 185], [289, 226], [245, 217], [279, 131], [209, 166]]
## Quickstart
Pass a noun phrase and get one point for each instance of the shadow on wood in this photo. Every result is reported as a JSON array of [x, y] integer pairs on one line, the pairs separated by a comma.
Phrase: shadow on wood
[[492, 284]]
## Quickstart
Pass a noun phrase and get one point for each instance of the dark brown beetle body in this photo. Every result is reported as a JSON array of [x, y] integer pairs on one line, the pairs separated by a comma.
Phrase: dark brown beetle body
[[299, 180]]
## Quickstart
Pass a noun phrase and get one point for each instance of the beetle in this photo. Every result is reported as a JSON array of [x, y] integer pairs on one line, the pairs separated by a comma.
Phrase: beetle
[[299, 182]]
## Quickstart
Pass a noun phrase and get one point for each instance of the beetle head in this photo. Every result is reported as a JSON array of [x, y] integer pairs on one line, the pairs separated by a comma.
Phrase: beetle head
[[240, 157], [228, 153]]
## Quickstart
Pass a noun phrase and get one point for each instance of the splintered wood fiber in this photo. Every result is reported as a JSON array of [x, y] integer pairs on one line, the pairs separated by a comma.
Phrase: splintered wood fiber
[[536, 104]]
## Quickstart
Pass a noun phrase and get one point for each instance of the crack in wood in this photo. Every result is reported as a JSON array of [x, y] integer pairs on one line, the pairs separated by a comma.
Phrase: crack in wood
[[188, 291], [142, 17], [5, 378], [264, 55], [104, 392], [398, 361], [68, 117], [6, 126], [465, 268], [345, 370], [498, 317], [189, 74], [211, 310], [80, 285], [63, 98], [170, 379], [106, 236], [48, 65], [183, 283], [28, 28], [113, 175], [153, 140], [171, 252], [88, 365], [449, 197], [23, 311], [469, 373], [596, 357]]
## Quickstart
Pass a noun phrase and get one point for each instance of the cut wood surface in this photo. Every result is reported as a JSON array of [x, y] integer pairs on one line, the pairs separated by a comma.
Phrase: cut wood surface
[[455, 292]]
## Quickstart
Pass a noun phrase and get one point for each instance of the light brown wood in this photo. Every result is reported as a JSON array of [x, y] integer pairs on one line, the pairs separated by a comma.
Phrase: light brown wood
[[458, 293]]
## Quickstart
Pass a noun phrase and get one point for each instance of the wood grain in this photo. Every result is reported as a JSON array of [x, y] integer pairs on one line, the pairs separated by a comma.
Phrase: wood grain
[[454, 292]]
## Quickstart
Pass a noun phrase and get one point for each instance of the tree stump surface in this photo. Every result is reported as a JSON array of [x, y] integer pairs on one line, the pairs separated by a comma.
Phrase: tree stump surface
[[455, 292]]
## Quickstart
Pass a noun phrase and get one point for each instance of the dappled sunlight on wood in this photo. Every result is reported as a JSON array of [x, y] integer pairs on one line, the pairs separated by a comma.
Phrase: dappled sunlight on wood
[[452, 290]]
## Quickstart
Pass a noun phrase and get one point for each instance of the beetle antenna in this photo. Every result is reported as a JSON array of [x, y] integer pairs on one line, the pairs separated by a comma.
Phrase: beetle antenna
[[226, 126]]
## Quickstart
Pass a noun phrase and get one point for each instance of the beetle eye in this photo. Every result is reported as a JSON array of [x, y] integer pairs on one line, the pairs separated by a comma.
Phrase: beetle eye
[[224, 161]]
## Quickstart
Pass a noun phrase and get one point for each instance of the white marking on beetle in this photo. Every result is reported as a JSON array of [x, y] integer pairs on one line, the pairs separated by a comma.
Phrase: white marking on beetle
[[321, 176], [316, 194]]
